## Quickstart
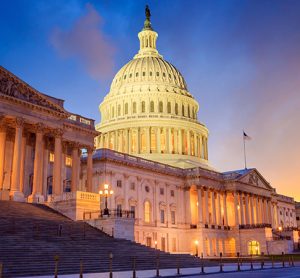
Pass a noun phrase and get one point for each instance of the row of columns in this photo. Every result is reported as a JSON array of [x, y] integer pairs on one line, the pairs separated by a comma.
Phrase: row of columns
[[40, 161], [149, 140], [218, 207], [252, 209]]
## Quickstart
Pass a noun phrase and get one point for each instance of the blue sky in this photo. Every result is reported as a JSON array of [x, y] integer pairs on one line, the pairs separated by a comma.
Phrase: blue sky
[[240, 60]]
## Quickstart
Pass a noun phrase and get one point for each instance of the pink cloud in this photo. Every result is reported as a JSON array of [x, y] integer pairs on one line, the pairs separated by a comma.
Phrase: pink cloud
[[87, 42]]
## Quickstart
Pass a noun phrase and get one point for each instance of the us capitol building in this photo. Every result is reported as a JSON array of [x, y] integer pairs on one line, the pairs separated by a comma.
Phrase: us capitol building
[[146, 163]]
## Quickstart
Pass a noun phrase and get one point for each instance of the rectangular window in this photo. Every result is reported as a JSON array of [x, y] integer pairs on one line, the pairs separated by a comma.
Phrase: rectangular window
[[162, 216], [162, 192], [119, 183], [297, 218], [163, 244], [68, 161], [173, 219], [132, 186], [172, 193], [51, 157]]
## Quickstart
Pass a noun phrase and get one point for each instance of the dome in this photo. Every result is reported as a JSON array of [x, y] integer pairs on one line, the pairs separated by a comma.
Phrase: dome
[[149, 112], [152, 70]]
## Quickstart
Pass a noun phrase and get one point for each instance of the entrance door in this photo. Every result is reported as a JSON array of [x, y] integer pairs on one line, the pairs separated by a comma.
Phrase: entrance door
[[163, 244], [253, 247], [148, 241]]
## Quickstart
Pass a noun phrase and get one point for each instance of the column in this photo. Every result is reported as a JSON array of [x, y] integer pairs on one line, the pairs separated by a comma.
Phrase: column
[[188, 217], [89, 170], [206, 206], [57, 185], [138, 140], [126, 140], [200, 206], [188, 139], [147, 132], [219, 209], [15, 192], [252, 209], [170, 143], [213, 202], [200, 146], [116, 137], [179, 141], [130, 141], [195, 144], [242, 208], [166, 140], [272, 214], [2, 151], [247, 208], [236, 212], [265, 208], [75, 168], [45, 168], [225, 208], [158, 140], [36, 195], [256, 210], [23, 161]]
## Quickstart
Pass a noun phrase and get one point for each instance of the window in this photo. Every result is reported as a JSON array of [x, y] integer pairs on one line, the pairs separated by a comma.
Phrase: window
[[280, 212], [126, 108], [119, 210], [297, 218], [172, 192], [119, 183], [125, 76], [130, 75], [134, 107], [163, 244], [113, 112], [147, 211], [119, 110], [132, 209], [68, 161], [143, 107], [160, 107], [164, 74], [51, 157], [183, 114], [176, 108], [150, 73], [189, 112], [173, 217], [147, 189], [152, 106], [173, 244], [144, 73], [162, 216], [132, 186], [137, 74], [161, 191], [157, 73], [169, 107], [253, 248]]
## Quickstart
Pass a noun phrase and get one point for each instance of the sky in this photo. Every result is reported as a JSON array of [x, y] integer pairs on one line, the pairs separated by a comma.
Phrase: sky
[[240, 59]]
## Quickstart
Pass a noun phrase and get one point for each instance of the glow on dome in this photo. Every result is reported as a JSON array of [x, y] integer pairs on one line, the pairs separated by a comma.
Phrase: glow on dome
[[150, 113]]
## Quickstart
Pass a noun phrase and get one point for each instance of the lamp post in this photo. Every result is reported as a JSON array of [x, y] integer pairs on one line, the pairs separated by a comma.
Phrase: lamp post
[[196, 246], [280, 230], [106, 193]]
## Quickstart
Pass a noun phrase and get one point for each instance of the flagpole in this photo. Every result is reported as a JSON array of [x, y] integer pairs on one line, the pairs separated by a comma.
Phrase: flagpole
[[245, 151]]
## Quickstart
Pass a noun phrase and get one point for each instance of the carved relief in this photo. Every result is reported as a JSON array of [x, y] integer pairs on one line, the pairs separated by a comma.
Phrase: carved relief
[[15, 89], [253, 179], [19, 122]]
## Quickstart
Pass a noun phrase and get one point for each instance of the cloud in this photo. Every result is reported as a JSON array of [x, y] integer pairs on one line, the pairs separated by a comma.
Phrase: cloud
[[86, 41]]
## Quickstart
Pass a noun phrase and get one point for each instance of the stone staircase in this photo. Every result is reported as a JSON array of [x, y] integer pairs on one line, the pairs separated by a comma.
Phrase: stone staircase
[[32, 235]]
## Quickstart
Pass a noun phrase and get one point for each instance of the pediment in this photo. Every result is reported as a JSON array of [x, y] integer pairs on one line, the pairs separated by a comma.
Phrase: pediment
[[13, 88], [254, 178]]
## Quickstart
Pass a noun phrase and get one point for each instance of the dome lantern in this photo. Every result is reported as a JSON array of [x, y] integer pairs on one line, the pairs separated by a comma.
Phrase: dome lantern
[[147, 39]]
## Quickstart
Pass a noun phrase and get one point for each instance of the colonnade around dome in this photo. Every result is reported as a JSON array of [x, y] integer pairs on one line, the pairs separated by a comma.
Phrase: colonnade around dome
[[160, 140]]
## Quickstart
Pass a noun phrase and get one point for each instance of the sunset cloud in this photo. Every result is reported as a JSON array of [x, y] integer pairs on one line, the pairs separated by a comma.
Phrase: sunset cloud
[[86, 41]]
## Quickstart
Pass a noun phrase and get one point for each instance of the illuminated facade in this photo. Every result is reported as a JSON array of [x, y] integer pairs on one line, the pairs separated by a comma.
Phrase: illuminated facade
[[153, 151]]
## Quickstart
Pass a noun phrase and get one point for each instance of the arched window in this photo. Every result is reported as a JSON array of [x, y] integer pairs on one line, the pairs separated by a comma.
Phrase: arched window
[[183, 112], [169, 107], [160, 107], [253, 247], [126, 108], [147, 210], [176, 108], [134, 107], [152, 106], [143, 107], [119, 110]]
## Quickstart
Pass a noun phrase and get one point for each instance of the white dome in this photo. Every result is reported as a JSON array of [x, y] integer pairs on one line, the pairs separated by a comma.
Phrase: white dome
[[150, 113]]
